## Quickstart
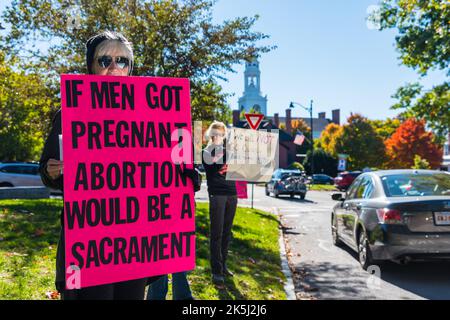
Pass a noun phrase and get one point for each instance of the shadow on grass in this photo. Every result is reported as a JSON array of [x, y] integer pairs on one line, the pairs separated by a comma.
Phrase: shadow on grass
[[29, 226], [267, 216], [230, 291], [30, 232], [256, 266]]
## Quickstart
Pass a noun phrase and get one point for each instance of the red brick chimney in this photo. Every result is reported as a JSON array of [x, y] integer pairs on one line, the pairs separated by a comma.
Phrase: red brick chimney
[[236, 115], [288, 121], [276, 120], [336, 117]]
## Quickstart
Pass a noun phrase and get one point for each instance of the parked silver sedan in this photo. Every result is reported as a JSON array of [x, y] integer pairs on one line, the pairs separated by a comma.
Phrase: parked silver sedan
[[398, 215], [19, 174]]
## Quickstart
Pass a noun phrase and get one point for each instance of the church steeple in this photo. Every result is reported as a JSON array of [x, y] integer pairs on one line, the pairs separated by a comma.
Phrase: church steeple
[[252, 97], [252, 76]]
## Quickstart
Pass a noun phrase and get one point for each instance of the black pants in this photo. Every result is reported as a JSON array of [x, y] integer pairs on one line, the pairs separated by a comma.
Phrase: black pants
[[127, 290], [221, 214]]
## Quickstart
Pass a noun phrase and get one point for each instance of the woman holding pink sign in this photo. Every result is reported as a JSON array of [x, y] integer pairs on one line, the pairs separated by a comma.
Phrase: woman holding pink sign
[[111, 54]]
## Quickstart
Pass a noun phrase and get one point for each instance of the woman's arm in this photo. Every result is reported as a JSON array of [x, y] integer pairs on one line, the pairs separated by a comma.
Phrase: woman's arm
[[211, 163], [50, 154]]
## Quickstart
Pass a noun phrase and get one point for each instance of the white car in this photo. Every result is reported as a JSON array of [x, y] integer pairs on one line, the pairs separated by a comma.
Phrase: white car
[[20, 174]]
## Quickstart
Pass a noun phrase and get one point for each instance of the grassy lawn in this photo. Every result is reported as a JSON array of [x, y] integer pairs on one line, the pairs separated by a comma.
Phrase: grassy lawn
[[29, 232], [322, 187]]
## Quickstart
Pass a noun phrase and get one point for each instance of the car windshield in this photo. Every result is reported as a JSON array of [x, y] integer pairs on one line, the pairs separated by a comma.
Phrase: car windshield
[[413, 185], [290, 174]]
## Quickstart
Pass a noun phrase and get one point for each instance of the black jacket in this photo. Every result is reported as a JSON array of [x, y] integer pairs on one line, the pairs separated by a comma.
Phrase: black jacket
[[215, 173]]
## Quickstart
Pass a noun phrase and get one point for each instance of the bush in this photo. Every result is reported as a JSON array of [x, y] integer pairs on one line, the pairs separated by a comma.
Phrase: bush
[[323, 163], [296, 166]]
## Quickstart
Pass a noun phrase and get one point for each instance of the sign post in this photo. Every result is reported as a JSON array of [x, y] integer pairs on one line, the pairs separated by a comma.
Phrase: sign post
[[342, 161], [254, 120]]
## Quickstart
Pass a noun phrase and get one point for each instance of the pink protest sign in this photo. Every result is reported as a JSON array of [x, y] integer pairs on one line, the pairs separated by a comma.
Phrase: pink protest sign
[[128, 207], [241, 189]]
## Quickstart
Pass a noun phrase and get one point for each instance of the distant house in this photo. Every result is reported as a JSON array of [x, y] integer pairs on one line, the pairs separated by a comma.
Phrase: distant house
[[319, 124]]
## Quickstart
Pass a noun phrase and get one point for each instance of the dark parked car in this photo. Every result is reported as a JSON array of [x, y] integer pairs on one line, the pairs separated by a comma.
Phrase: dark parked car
[[345, 179], [291, 182], [398, 215], [322, 179], [19, 174]]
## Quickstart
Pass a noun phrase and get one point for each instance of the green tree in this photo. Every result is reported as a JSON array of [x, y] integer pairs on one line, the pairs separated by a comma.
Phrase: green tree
[[420, 163], [209, 103], [296, 166], [25, 112], [385, 128], [432, 105], [323, 162], [423, 41], [170, 39], [251, 111], [365, 148]]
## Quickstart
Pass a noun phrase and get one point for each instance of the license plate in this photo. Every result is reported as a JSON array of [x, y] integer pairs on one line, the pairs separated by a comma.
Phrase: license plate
[[442, 218]]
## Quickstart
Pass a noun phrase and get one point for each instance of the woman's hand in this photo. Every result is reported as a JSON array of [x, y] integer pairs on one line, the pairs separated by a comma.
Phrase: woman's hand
[[224, 169], [54, 168]]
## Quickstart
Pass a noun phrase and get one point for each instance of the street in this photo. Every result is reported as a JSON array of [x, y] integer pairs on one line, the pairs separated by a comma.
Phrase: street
[[323, 271]]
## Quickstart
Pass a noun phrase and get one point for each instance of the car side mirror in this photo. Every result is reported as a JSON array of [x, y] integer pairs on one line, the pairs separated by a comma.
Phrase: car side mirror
[[337, 197]]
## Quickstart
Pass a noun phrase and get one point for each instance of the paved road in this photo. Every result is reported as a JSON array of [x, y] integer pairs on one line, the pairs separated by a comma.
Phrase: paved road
[[323, 271]]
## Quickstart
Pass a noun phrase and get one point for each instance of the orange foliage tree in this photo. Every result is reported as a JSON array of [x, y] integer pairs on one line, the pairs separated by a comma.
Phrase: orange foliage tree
[[409, 140]]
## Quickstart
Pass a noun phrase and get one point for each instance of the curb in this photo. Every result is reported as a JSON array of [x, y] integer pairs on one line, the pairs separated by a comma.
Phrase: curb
[[289, 287]]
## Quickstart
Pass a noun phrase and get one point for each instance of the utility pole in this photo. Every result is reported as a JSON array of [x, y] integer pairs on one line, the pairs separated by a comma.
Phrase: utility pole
[[310, 109]]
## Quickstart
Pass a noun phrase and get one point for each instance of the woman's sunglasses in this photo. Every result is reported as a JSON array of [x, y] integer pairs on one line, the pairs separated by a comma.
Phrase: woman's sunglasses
[[121, 62]]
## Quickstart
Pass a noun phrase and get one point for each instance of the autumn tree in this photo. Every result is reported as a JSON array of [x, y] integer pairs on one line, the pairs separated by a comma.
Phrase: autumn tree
[[328, 138], [409, 141], [299, 125]]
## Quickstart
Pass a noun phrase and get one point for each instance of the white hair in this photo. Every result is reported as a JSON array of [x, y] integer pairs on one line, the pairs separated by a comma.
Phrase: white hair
[[213, 128], [108, 46]]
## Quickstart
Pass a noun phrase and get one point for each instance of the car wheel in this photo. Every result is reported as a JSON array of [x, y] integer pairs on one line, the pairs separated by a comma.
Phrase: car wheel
[[267, 192], [334, 232], [302, 196], [6, 184], [364, 253], [275, 193], [292, 195]]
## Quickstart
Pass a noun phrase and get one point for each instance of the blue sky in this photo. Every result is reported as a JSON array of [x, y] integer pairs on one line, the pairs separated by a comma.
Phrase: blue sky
[[325, 52]]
